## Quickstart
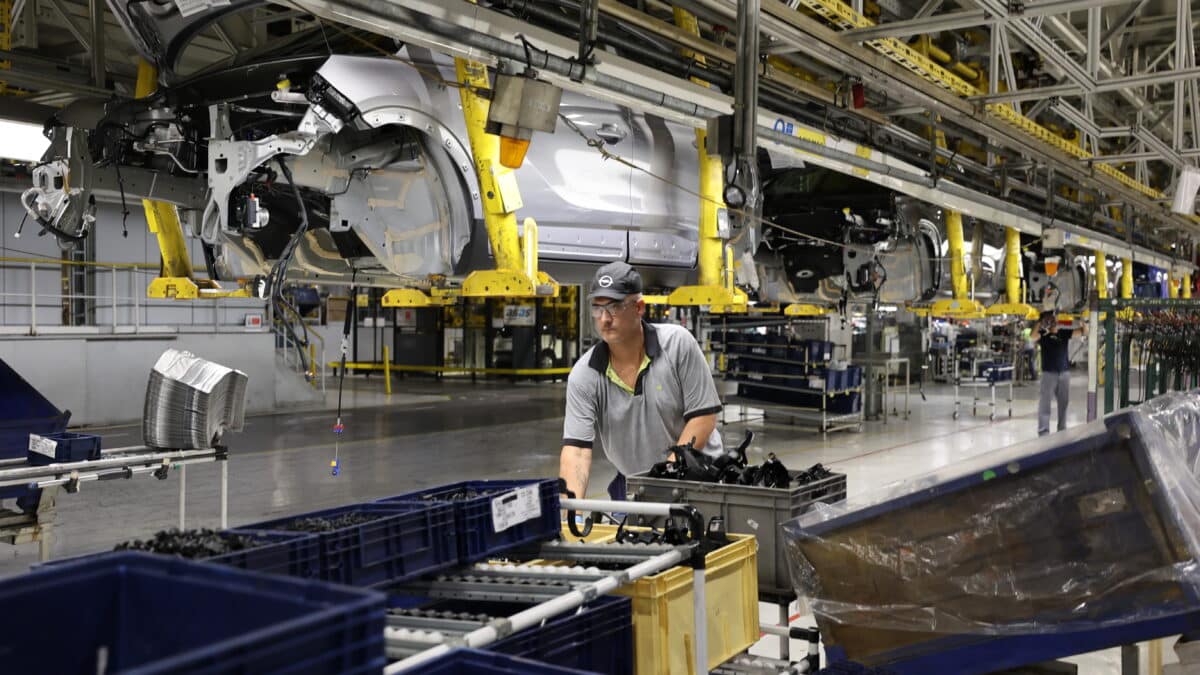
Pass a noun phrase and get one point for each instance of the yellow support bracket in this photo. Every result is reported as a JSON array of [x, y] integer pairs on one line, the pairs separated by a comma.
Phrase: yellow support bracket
[[411, 297], [1013, 309], [719, 299], [802, 309], [187, 288], [508, 284], [958, 309], [655, 299]]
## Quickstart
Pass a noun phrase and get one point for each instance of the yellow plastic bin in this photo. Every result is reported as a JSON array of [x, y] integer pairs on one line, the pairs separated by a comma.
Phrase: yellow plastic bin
[[663, 623]]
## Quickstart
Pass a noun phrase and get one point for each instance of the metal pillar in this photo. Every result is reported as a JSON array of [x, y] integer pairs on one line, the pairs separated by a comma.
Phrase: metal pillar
[[96, 11], [1110, 353], [1126, 278], [745, 107], [1093, 351]]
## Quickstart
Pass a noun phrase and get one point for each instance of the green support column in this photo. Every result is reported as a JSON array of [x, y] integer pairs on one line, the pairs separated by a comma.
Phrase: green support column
[[1126, 346], [1110, 358]]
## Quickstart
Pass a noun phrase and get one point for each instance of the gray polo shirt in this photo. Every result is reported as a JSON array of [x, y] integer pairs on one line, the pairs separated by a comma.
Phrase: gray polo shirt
[[636, 427]]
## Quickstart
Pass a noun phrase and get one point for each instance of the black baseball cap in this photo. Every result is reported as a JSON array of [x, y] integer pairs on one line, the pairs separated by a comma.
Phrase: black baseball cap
[[616, 280]]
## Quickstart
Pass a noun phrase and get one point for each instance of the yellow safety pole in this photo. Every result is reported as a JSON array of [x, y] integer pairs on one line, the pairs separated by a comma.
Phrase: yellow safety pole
[[1187, 287], [1172, 286], [1126, 278], [312, 364], [1101, 275], [958, 268], [1012, 264], [530, 239], [496, 182], [387, 371]]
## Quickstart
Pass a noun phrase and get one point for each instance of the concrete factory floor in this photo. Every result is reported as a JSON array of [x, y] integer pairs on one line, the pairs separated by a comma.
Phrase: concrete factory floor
[[428, 433]]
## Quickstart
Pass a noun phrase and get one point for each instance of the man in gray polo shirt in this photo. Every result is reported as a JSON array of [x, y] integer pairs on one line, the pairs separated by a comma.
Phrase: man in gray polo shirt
[[643, 389]]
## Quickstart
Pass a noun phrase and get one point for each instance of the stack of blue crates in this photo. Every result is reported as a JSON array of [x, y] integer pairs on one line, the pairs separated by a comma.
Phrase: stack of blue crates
[[152, 614], [159, 613]]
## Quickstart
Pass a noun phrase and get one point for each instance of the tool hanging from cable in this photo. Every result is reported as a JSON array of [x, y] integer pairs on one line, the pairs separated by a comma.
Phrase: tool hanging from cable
[[338, 427]]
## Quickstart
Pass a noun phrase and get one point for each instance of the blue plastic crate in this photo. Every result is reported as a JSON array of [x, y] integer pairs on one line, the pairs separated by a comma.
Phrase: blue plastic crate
[[68, 447], [853, 376], [837, 380], [992, 371], [292, 554], [844, 404], [778, 348], [24, 411], [598, 637], [146, 615], [819, 351], [406, 540], [478, 537], [476, 662], [851, 668]]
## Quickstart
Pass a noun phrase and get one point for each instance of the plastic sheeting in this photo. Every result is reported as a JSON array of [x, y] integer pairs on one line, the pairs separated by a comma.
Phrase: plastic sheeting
[[1095, 527]]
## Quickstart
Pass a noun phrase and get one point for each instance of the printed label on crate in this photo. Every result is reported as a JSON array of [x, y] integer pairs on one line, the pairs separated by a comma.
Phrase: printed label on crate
[[42, 445], [516, 507]]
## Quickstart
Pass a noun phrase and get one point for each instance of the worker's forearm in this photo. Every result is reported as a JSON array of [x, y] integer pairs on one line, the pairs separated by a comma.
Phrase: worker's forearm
[[575, 467], [698, 430]]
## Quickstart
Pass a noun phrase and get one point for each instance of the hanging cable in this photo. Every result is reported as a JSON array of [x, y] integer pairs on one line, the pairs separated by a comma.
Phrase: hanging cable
[[278, 274], [338, 427]]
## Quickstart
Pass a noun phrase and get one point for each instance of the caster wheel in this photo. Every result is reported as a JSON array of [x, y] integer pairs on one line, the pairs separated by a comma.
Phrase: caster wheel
[[991, 418], [955, 415]]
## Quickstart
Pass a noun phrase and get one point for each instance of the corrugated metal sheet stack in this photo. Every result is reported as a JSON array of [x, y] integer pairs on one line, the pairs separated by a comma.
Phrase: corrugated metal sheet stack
[[191, 402]]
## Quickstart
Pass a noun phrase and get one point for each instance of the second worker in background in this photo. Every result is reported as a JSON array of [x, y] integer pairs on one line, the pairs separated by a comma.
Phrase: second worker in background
[[1056, 369]]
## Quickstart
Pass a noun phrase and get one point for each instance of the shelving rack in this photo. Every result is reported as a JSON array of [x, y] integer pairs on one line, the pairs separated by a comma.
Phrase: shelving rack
[[777, 363]]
